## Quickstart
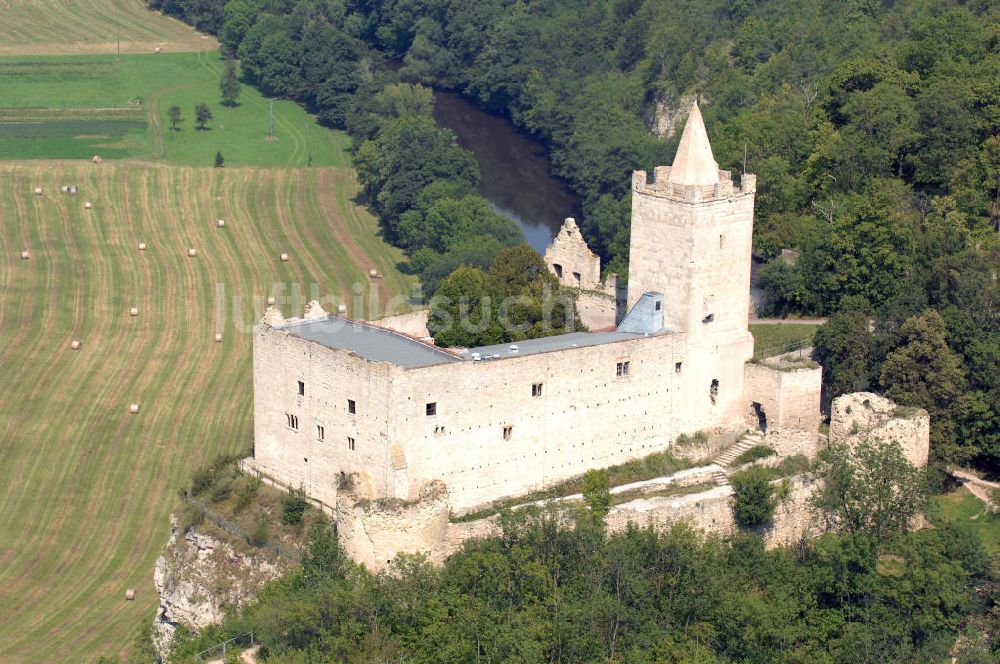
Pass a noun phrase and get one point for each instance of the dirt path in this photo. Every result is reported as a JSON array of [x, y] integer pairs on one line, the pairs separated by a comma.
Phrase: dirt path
[[980, 488]]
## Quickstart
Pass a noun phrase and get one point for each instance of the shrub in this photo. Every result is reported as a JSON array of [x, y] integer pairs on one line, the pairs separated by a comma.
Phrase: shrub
[[753, 454], [596, 487], [201, 481], [220, 491], [754, 500], [247, 493], [259, 535], [294, 506]]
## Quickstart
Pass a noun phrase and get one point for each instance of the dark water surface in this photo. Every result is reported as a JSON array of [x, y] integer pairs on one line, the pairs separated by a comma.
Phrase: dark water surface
[[516, 177]]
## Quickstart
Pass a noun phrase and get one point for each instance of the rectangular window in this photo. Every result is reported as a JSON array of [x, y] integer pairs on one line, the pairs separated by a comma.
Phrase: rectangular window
[[350, 443], [320, 433], [536, 389], [713, 390], [292, 421], [431, 409], [677, 367], [351, 407], [621, 369], [507, 431], [658, 306], [302, 389]]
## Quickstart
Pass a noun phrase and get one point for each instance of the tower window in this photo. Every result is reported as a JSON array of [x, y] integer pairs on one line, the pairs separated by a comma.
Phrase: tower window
[[431, 409], [302, 389], [722, 240], [658, 306], [536, 389], [292, 421], [320, 433], [350, 443], [713, 390], [507, 432], [621, 369], [351, 407], [677, 367]]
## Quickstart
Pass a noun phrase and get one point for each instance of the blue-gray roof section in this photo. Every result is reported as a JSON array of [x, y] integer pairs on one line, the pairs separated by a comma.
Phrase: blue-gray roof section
[[549, 344], [370, 342]]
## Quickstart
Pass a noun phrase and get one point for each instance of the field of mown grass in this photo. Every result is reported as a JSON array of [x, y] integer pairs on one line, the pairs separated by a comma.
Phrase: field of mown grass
[[85, 487], [92, 26], [73, 107]]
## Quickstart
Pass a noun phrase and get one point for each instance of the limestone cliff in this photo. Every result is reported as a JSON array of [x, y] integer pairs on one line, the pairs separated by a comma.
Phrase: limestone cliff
[[200, 575]]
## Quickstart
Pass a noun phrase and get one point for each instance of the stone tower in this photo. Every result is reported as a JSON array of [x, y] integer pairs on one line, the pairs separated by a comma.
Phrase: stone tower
[[691, 240]]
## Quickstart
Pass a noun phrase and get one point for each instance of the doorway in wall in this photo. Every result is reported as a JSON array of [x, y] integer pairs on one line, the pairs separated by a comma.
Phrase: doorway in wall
[[758, 410]]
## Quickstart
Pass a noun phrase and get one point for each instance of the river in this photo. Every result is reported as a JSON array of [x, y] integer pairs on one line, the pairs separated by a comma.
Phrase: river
[[516, 171]]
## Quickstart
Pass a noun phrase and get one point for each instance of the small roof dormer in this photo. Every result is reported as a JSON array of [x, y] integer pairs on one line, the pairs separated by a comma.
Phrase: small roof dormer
[[694, 163]]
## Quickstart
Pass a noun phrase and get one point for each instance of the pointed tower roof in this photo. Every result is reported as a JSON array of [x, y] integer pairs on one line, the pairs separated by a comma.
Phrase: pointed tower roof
[[694, 163]]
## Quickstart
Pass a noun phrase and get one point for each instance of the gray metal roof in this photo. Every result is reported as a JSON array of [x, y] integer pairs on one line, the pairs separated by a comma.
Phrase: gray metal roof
[[370, 342], [547, 344]]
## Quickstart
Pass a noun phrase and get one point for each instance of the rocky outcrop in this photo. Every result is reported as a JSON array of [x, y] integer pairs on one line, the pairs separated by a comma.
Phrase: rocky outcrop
[[199, 576]]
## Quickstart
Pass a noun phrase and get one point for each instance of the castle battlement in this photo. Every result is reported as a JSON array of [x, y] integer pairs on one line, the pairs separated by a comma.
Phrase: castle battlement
[[663, 187]]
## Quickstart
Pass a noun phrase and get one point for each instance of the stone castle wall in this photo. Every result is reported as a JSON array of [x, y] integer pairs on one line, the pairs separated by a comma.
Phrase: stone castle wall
[[789, 398], [490, 436], [375, 533], [572, 261], [865, 415]]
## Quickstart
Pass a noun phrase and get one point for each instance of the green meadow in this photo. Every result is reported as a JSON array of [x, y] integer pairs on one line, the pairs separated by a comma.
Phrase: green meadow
[[78, 106]]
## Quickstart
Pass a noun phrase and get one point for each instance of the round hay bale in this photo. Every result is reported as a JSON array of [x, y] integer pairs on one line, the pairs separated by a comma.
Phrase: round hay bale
[[38, 191], [134, 408], [270, 300], [130, 594], [156, 50], [87, 205], [142, 246], [341, 308], [25, 255], [192, 253], [134, 311], [373, 273], [284, 258], [96, 159], [218, 338], [75, 344], [221, 223]]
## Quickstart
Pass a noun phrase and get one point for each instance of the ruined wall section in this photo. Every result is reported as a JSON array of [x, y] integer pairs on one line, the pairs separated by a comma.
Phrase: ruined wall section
[[572, 261], [789, 398], [855, 417]]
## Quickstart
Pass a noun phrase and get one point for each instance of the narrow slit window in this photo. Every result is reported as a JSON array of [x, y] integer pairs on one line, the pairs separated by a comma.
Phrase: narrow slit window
[[352, 407], [320, 432], [713, 391], [678, 366], [302, 389], [292, 421], [536, 389], [350, 443], [508, 431]]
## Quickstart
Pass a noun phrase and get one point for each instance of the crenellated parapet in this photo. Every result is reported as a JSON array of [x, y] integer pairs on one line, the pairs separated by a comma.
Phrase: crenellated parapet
[[663, 186]]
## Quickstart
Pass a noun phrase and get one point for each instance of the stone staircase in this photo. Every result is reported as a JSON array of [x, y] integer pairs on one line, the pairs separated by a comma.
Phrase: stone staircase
[[723, 460]]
